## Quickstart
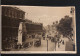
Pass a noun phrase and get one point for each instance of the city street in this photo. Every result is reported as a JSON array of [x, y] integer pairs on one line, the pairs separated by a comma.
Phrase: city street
[[38, 28], [43, 46]]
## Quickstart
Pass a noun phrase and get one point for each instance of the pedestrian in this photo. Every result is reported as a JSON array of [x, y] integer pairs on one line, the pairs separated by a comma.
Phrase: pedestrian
[[58, 45], [63, 42]]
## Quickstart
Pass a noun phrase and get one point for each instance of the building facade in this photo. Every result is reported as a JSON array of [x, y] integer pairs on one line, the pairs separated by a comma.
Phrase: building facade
[[16, 30], [32, 30], [11, 18]]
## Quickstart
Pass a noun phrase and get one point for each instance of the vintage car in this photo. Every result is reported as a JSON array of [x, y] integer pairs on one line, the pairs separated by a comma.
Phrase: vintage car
[[37, 42]]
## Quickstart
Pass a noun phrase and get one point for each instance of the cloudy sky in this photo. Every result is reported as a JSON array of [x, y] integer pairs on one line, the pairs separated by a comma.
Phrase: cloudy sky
[[45, 15]]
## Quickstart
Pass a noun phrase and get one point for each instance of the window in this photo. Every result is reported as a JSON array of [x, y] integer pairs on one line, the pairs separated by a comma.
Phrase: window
[[20, 15], [9, 12], [12, 13], [15, 14], [5, 11]]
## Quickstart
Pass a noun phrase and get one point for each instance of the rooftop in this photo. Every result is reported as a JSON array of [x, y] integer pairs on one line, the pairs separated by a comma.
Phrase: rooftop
[[13, 8]]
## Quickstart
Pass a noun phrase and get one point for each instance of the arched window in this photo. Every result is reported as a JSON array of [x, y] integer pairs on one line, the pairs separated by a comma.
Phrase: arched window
[[15, 14], [9, 12], [5, 11]]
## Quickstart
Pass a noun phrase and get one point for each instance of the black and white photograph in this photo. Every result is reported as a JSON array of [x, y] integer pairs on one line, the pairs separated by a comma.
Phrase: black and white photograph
[[38, 29]]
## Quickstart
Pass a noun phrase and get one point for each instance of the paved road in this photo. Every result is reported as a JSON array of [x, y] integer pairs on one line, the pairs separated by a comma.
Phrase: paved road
[[43, 46]]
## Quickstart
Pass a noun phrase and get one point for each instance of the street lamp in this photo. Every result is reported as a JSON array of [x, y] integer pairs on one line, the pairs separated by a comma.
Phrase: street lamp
[[55, 42], [47, 44]]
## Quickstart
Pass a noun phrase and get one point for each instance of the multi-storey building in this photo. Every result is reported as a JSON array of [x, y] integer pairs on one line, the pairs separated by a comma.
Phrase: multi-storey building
[[32, 30], [15, 28], [11, 18]]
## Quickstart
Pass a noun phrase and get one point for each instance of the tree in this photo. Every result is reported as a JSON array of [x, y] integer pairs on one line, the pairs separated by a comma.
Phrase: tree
[[65, 26]]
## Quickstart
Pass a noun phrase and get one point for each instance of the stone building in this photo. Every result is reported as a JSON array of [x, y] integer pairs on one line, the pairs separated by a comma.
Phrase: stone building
[[16, 30], [11, 18], [33, 29]]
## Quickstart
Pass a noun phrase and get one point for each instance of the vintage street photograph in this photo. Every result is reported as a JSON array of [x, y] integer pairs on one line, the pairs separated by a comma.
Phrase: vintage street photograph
[[38, 29]]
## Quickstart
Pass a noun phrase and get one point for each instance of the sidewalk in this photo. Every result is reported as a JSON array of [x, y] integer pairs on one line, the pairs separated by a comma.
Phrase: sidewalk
[[61, 48]]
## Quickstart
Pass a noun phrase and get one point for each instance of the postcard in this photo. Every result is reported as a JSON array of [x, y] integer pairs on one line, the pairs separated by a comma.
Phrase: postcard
[[38, 29]]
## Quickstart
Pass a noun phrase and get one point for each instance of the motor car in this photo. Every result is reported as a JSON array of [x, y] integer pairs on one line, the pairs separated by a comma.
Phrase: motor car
[[44, 38], [37, 42]]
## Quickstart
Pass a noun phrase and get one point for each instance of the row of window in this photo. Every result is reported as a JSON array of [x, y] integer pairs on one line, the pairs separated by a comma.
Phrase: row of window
[[11, 12]]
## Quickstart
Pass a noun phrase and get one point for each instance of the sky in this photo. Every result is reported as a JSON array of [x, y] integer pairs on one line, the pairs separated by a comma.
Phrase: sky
[[44, 14]]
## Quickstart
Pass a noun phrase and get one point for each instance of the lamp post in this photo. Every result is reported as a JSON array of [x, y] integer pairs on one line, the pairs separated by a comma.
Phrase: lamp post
[[47, 44], [55, 45]]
